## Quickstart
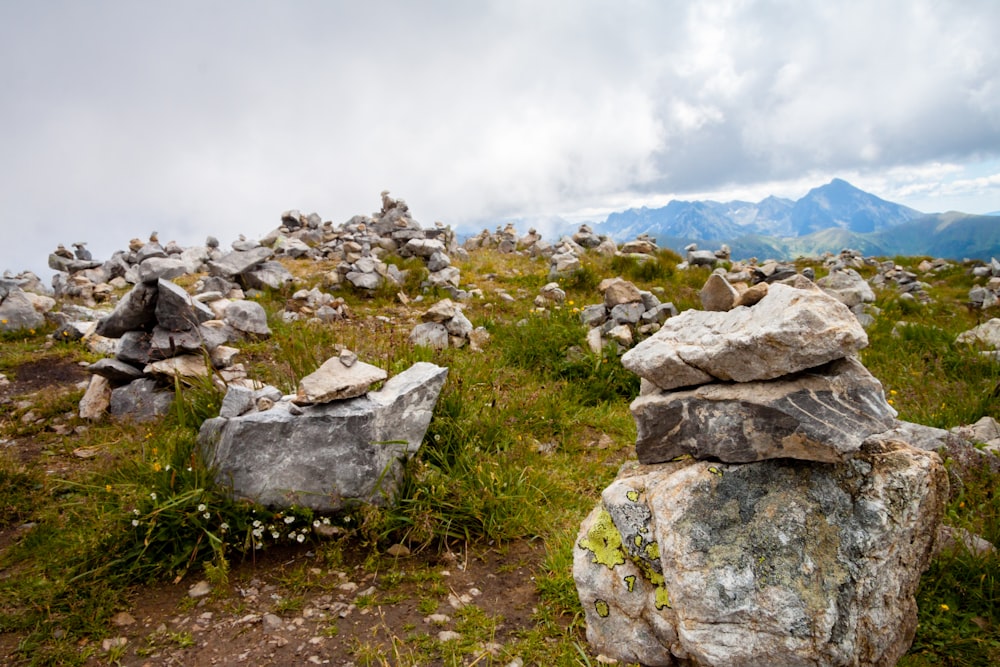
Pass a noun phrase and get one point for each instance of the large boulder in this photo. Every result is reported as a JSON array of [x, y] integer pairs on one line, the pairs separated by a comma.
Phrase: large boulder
[[777, 562], [135, 312], [328, 456], [789, 330], [16, 310], [819, 415]]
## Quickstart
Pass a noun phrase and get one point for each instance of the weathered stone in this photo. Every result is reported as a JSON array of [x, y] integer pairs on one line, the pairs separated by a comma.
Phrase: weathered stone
[[183, 367], [247, 317], [819, 415], [422, 247], [208, 336], [140, 401], [564, 264], [847, 286], [239, 262], [438, 261], [459, 325], [442, 311], [987, 333], [770, 563], [335, 380], [154, 269], [701, 258], [449, 275], [365, 281], [617, 291], [136, 311], [430, 334], [96, 399], [332, 455], [176, 310], [788, 331], [267, 275], [115, 370], [627, 313], [237, 401], [752, 295], [718, 295], [17, 313], [594, 315]]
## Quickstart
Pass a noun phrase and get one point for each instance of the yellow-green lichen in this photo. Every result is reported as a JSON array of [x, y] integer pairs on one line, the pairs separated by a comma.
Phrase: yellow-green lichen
[[602, 608], [632, 495], [604, 541], [662, 598], [653, 551], [630, 582]]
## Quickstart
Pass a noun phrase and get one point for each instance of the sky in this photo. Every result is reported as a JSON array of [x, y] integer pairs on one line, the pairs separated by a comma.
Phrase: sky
[[211, 117]]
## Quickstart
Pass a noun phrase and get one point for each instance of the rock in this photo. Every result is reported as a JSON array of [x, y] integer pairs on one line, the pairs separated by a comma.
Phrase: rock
[[987, 333], [333, 454], [718, 295], [136, 311], [96, 400], [430, 334], [819, 415], [17, 313], [847, 286], [237, 401], [155, 269], [788, 331], [140, 401], [617, 291], [176, 310], [442, 311], [115, 370], [334, 381], [752, 295], [247, 317], [206, 337], [200, 589], [182, 367], [267, 275], [239, 261], [770, 563]]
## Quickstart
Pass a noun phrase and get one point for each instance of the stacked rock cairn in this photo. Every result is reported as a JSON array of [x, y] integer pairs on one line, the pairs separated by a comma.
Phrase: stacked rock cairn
[[764, 522]]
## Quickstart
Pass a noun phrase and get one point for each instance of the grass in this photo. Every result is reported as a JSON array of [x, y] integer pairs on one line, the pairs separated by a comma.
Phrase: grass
[[525, 436]]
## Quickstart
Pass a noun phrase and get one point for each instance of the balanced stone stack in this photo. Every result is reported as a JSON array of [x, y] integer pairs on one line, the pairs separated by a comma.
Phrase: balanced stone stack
[[163, 333], [625, 313], [334, 444], [765, 522]]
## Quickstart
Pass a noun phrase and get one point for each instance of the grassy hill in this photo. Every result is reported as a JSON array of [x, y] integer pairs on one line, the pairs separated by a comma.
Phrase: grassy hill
[[525, 436]]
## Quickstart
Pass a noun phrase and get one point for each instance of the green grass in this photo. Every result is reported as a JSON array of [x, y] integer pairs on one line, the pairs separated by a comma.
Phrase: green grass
[[525, 435]]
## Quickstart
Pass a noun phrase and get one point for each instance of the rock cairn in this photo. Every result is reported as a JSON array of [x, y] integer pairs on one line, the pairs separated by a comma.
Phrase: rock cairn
[[766, 521], [444, 325], [625, 313], [162, 333], [331, 445], [987, 295]]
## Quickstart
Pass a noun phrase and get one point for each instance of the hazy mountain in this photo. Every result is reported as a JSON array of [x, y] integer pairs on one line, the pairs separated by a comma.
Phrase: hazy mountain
[[840, 204]]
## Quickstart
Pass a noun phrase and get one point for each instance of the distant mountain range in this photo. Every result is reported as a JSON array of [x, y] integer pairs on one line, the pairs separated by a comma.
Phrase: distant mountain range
[[827, 219]]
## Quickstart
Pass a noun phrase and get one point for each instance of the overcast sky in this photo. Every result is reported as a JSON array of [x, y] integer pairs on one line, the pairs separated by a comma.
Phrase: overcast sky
[[211, 117]]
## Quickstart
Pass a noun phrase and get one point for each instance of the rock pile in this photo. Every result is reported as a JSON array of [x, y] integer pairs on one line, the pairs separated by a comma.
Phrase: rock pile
[[164, 333], [21, 310], [445, 325], [792, 534], [988, 295], [334, 444], [625, 313]]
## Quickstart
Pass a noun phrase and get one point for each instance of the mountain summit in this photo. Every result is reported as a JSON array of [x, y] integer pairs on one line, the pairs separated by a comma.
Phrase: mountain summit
[[840, 204]]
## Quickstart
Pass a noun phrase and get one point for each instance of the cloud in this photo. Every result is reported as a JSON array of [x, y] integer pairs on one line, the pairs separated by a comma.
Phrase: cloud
[[197, 118]]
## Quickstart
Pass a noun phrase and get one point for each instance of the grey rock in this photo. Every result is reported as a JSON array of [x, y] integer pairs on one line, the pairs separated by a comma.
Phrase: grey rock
[[447, 276], [442, 311], [136, 311], [701, 258], [438, 261], [208, 336], [332, 455], [237, 401], [459, 325], [17, 313], [366, 281], [659, 314], [617, 291], [115, 370], [430, 334], [334, 380], [819, 415], [240, 261], [769, 563], [161, 268], [627, 313], [847, 286], [987, 333], [96, 399], [176, 310], [718, 295], [788, 331], [140, 401], [594, 315], [268, 275], [247, 317]]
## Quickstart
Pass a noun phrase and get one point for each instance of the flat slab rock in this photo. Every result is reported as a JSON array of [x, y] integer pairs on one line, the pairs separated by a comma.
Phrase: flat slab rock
[[819, 415], [770, 563], [789, 330], [328, 456]]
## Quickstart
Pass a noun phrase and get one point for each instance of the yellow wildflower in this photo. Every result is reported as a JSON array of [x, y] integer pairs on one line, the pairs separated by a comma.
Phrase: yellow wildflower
[[945, 607]]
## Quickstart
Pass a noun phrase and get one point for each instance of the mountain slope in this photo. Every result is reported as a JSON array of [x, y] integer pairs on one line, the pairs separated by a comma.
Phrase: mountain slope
[[840, 204]]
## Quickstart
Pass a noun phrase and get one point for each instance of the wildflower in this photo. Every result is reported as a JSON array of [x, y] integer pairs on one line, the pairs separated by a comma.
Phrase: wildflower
[[207, 515], [135, 522], [157, 467], [135, 512], [291, 535], [107, 487], [892, 392], [890, 401], [275, 534], [202, 507], [316, 523], [166, 467], [257, 523], [189, 468], [289, 519], [224, 526], [301, 538], [152, 496], [326, 521], [945, 607]]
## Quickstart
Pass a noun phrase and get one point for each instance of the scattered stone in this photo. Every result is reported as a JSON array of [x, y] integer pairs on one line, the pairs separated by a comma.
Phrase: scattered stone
[[200, 589], [335, 381]]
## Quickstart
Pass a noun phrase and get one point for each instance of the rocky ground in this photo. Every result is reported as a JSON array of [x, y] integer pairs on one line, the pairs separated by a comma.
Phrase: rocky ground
[[332, 603]]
